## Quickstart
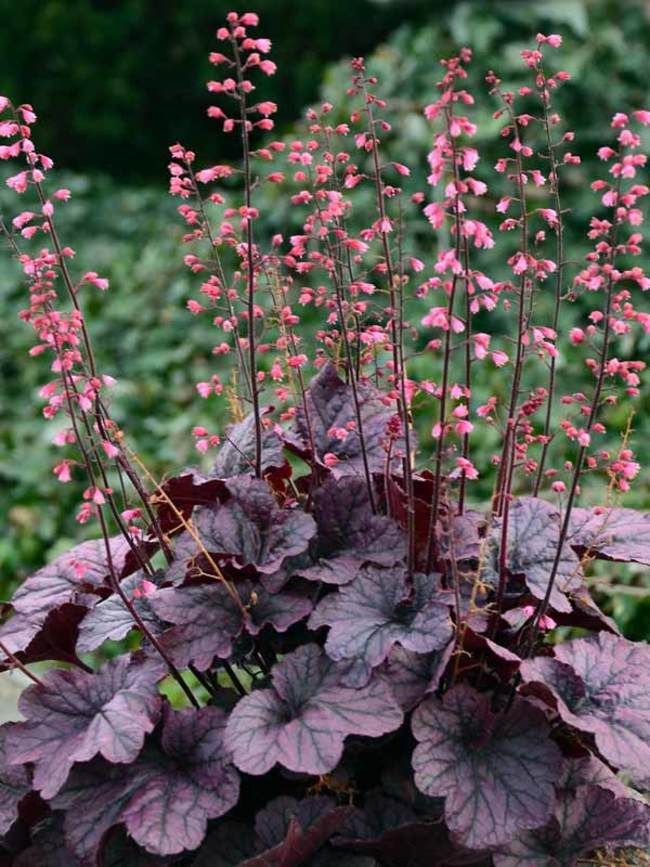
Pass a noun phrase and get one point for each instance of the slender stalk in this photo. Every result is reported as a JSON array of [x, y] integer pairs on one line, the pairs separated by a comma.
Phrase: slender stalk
[[506, 465], [250, 269], [397, 336], [582, 452], [559, 275]]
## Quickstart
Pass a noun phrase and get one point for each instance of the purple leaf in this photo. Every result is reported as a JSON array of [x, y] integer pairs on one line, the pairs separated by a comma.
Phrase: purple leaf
[[330, 407], [287, 833], [392, 831], [251, 528], [236, 456], [72, 577], [601, 685], [279, 610], [349, 534], [411, 676], [186, 548], [612, 534], [193, 782], [496, 770], [111, 619], [74, 715], [584, 820], [378, 610], [165, 798], [15, 783], [302, 721], [533, 536], [590, 771], [207, 620], [290, 831]]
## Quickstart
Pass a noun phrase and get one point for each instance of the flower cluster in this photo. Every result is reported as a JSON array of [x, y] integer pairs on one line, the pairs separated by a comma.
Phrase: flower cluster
[[362, 659]]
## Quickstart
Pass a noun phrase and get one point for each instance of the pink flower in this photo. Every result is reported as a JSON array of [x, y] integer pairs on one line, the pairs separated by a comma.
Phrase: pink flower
[[62, 471], [464, 467], [643, 116], [110, 450]]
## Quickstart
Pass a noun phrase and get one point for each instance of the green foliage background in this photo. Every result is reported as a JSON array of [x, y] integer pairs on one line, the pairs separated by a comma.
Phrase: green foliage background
[[115, 83]]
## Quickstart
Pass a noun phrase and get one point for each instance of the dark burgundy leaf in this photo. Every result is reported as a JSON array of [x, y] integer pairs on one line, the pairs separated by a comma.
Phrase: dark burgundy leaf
[[165, 798], [111, 619], [48, 847], [15, 783], [496, 771], [329, 857], [229, 845], [303, 720], [73, 577], [120, 851], [290, 831], [236, 456], [533, 536], [392, 831], [379, 814], [252, 529], [189, 489], [378, 610], [330, 407], [418, 844], [349, 534], [613, 534], [207, 620], [586, 615], [583, 820], [35, 639], [74, 715], [411, 676], [601, 685]]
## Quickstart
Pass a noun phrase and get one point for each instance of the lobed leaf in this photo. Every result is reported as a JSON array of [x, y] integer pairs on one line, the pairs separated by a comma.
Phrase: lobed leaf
[[302, 721], [601, 685], [613, 534], [350, 534], [252, 529], [533, 537], [236, 456], [411, 676], [496, 771], [73, 577], [15, 783], [583, 820], [165, 798], [112, 620], [379, 610], [73, 715], [330, 407], [207, 619]]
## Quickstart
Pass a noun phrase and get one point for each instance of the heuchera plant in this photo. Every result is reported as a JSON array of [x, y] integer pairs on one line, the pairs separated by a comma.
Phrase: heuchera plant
[[366, 664]]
